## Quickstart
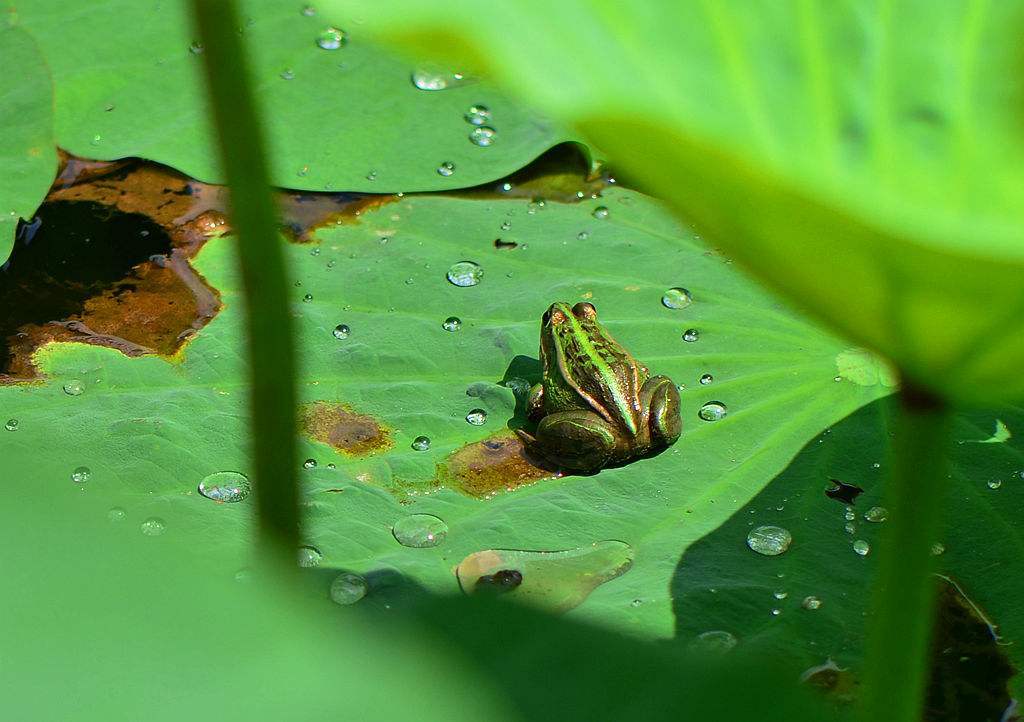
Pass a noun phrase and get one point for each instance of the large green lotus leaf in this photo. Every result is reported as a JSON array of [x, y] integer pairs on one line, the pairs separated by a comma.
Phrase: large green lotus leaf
[[27, 153], [157, 628], [149, 430], [348, 119], [865, 158], [719, 584]]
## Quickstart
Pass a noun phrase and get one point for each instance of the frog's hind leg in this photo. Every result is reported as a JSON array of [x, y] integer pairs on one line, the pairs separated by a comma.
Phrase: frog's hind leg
[[659, 398], [576, 439]]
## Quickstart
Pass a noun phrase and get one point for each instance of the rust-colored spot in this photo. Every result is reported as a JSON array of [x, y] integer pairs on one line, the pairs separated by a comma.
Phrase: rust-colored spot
[[351, 433], [485, 468], [306, 213]]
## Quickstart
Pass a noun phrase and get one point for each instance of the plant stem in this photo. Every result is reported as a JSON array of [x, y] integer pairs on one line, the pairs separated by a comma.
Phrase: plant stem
[[261, 259], [896, 662]]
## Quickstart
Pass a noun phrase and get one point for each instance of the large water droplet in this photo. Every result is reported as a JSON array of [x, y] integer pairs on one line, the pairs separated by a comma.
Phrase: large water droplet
[[225, 486], [483, 136], [331, 39], [717, 641], [690, 335], [712, 411], [811, 602], [861, 547], [153, 526], [676, 298], [11, 425], [452, 323], [341, 332], [706, 379], [435, 77], [446, 169], [995, 483], [769, 540], [876, 514], [556, 580], [601, 212], [420, 531], [308, 557], [348, 588], [478, 115], [421, 443], [477, 417], [74, 387], [81, 474], [465, 273]]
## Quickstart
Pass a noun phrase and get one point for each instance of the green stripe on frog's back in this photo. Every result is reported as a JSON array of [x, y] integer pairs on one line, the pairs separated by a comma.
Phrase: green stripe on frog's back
[[594, 361]]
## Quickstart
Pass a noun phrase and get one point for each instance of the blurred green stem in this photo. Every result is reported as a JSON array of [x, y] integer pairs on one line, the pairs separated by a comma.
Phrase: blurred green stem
[[261, 258], [900, 624]]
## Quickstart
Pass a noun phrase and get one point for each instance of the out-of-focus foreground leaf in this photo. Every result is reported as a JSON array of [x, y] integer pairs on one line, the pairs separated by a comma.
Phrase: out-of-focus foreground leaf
[[27, 153], [865, 158]]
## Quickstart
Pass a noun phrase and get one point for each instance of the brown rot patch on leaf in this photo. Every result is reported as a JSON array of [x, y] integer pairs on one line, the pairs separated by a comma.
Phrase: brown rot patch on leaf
[[486, 468], [337, 425], [304, 213]]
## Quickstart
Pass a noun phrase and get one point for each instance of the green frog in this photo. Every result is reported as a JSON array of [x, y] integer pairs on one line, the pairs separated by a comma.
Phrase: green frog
[[595, 404]]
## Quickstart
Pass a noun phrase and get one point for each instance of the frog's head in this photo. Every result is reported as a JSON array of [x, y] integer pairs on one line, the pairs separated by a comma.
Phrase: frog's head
[[563, 324]]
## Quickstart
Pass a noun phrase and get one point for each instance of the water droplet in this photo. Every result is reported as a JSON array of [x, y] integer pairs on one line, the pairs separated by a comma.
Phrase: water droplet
[[483, 136], [420, 531], [849, 527], [505, 225], [776, 612], [309, 11], [938, 548], [196, 48], [435, 77], [716, 641], [780, 594], [601, 212], [331, 38], [303, 171], [769, 540], [348, 588], [690, 335], [477, 115], [308, 557], [11, 425], [116, 513], [307, 298], [811, 602], [849, 514], [309, 464], [582, 236], [96, 139], [421, 443], [861, 547], [74, 387], [465, 273], [243, 575], [555, 580], [477, 417], [876, 514], [636, 602], [81, 474], [288, 74], [706, 379], [452, 323], [995, 484], [153, 526], [712, 411], [446, 169], [225, 486], [341, 332], [676, 298], [371, 176]]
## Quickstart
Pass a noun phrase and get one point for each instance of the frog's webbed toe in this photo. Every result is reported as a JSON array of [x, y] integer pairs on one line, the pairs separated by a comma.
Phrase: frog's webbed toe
[[576, 439], [661, 398]]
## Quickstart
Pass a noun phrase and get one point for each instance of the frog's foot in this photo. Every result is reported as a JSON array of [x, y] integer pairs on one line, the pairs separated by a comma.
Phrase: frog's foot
[[577, 439], [660, 398]]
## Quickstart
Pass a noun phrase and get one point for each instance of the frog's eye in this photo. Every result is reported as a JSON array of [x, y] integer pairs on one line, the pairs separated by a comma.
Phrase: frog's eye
[[555, 317], [584, 310]]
